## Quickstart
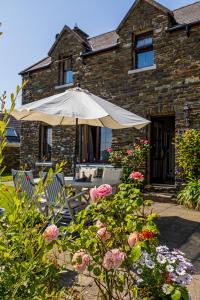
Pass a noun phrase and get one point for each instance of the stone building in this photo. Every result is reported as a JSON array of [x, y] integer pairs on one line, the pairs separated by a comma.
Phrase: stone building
[[149, 65], [12, 150]]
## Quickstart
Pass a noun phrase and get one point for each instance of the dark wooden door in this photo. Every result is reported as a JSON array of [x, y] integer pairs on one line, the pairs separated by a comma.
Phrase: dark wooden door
[[162, 150]]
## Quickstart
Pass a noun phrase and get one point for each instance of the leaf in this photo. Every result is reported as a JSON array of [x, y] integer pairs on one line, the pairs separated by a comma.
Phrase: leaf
[[97, 271], [136, 252], [176, 295]]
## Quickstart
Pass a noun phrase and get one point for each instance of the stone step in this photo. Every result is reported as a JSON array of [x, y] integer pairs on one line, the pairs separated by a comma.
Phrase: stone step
[[160, 197], [161, 188]]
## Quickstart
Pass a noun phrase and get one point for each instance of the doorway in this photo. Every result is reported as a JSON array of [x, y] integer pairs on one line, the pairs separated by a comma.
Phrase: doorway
[[162, 158]]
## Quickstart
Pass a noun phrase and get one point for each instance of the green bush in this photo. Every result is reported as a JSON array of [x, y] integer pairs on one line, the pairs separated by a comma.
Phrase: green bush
[[188, 153], [190, 195]]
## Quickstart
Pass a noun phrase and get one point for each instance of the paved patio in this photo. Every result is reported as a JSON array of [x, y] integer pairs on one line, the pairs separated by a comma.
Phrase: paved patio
[[179, 228]]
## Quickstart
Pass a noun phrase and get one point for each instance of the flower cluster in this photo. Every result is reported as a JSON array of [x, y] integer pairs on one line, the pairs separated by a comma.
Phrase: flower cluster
[[51, 233], [172, 268], [103, 190], [113, 259], [81, 260], [134, 237]]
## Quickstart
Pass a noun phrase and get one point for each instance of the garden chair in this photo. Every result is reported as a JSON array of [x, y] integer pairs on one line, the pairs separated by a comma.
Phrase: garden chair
[[112, 175], [87, 173], [24, 184], [63, 207]]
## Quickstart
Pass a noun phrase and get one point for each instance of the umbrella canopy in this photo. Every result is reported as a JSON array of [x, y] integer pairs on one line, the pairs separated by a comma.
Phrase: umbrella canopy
[[78, 104]]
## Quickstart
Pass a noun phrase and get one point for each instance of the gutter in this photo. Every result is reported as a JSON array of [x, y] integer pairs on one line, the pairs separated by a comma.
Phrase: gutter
[[183, 26], [85, 54]]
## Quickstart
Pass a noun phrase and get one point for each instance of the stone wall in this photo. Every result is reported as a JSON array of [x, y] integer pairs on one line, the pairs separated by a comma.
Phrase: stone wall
[[11, 157], [162, 91]]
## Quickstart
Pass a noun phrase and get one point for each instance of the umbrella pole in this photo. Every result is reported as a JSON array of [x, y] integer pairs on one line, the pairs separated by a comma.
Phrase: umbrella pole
[[75, 148]]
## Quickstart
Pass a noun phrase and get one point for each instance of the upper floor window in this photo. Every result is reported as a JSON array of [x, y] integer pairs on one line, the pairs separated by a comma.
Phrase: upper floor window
[[11, 132], [66, 71], [45, 146], [144, 53]]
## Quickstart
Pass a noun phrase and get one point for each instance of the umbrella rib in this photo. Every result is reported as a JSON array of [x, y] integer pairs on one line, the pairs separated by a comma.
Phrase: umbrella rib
[[26, 115]]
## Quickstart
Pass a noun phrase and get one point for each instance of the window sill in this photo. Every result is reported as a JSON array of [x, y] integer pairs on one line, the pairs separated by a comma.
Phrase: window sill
[[142, 70], [63, 86], [44, 164]]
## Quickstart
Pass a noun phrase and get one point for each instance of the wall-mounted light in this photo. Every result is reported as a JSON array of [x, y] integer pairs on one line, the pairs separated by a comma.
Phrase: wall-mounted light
[[186, 110]]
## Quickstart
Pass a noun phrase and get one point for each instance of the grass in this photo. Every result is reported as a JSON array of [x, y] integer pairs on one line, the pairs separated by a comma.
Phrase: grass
[[6, 177]]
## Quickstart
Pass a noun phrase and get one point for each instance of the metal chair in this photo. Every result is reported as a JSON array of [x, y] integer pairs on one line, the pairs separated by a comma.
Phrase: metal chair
[[63, 207]]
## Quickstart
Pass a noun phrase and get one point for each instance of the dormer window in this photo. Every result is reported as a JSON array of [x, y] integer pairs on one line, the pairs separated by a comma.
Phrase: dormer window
[[66, 71], [144, 53]]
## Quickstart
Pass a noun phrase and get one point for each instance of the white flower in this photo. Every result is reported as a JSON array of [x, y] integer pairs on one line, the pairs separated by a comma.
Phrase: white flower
[[161, 259], [139, 271], [166, 289], [180, 270], [150, 264], [169, 268], [140, 280], [171, 259]]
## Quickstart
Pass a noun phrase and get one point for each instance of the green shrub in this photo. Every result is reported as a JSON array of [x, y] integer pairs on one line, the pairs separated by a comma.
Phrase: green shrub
[[190, 195], [188, 153]]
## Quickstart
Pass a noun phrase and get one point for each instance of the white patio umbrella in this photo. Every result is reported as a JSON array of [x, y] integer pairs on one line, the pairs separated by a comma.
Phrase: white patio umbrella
[[76, 107]]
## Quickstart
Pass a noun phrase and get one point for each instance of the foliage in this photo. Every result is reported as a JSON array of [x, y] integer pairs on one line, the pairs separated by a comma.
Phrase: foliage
[[163, 273], [188, 153], [27, 268], [130, 160], [190, 195], [110, 222]]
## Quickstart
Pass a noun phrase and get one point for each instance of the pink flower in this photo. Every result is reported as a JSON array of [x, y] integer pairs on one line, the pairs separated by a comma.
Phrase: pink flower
[[109, 150], [137, 176], [129, 152], [144, 142], [103, 234], [99, 224], [94, 194], [113, 259], [81, 260], [51, 233], [133, 238], [104, 190]]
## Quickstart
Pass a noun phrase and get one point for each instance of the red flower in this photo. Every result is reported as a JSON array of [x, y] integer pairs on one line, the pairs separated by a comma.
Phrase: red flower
[[27, 178], [19, 190], [147, 235], [168, 278], [109, 150]]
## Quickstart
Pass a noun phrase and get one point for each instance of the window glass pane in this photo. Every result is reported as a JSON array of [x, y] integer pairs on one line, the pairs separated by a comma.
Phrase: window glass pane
[[106, 142], [145, 59], [69, 76], [142, 42], [45, 143], [10, 132]]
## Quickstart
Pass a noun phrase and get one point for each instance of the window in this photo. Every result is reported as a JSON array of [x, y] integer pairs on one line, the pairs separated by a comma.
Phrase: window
[[11, 132], [144, 54], [45, 147], [66, 73], [93, 143]]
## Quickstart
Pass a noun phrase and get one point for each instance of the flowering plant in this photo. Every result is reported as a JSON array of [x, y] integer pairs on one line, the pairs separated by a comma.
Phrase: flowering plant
[[163, 274], [117, 230], [130, 160]]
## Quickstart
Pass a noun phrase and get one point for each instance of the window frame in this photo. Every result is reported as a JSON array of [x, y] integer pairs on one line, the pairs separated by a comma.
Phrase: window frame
[[142, 49], [43, 133], [63, 69], [16, 135]]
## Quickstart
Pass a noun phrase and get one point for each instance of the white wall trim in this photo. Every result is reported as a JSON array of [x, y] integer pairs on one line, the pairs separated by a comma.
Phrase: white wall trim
[[57, 87], [135, 71]]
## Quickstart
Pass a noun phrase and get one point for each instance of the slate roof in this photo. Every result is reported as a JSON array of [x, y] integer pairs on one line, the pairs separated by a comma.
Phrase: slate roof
[[188, 14], [183, 15]]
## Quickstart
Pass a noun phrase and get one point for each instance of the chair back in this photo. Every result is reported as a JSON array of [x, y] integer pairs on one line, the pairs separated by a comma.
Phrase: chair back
[[23, 182], [112, 174], [55, 194]]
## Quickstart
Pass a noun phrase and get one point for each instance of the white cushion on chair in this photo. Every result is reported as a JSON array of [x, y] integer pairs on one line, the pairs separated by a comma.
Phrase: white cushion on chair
[[112, 174], [89, 172]]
